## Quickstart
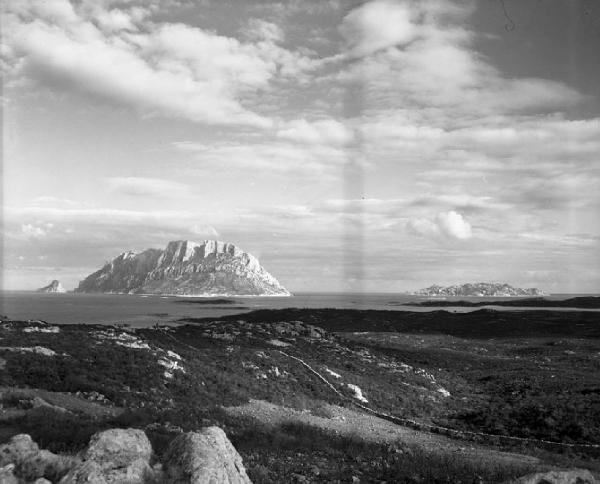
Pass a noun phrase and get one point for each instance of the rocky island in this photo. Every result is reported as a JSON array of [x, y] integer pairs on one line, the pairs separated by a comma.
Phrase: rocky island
[[478, 289], [185, 268], [54, 286]]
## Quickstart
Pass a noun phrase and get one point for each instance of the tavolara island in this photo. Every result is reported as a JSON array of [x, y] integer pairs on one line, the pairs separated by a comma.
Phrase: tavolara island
[[479, 289], [185, 268], [54, 286]]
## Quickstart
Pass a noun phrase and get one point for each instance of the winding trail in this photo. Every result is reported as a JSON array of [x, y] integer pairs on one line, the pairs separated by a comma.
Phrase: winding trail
[[464, 434]]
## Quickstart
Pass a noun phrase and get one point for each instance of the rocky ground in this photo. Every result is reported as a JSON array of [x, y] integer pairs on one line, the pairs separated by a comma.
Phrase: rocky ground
[[303, 404], [122, 456]]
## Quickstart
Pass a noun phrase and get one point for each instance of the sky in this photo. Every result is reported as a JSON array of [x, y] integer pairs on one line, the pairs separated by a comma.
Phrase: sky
[[355, 146]]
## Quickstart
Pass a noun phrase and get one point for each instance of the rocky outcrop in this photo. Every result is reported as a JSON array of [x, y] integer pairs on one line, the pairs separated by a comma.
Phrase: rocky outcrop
[[123, 456], [17, 449], [571, 476], [54, 286], [204, 457], [185, 268], [22, 457], [114, 456], [478, 289], [118, 447]]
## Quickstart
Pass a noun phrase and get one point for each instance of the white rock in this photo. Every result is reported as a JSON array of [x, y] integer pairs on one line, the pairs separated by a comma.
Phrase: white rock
[[358, 394], [333, 373], [204, 457]]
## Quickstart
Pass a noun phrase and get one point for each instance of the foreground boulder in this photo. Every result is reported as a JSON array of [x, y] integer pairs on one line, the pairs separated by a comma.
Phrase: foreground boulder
[[122, 456], [17, 449], [205, 457], [572, 476], [114, 456], [7, 475], [21, 456], [118, 447]]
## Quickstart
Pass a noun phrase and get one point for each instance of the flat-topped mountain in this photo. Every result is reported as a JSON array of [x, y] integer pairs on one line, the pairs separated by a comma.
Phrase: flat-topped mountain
[[185, 268], [478, 289], [54, 286]]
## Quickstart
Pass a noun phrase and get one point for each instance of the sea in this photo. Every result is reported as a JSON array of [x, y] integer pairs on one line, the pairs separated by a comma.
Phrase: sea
[[146, 311]]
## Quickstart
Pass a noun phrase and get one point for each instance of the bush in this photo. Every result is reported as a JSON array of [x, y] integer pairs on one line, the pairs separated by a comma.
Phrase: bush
[[57, 431]]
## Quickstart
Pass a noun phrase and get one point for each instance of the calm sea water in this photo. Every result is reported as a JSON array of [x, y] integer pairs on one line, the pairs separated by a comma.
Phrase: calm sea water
[[143, 311]]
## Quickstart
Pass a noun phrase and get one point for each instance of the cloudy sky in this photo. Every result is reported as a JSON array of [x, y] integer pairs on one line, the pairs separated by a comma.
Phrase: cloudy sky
[[351, 146]]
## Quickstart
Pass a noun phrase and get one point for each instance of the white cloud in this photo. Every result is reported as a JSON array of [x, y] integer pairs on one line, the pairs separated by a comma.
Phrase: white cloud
[[453, 225], [420, 54], [52, 200], [267, 158], [147, 187], [377, 25], [258, 29], [36, 230], [168, 69], [115, 20], [450, 225], [205, 231], [325, 131]]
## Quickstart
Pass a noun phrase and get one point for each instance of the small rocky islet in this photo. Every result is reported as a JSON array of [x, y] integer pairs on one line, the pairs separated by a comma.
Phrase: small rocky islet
[[54, 287], [478, 289]]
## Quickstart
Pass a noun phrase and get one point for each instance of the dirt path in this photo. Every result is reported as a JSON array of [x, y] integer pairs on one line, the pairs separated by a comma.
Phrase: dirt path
[[58, 400], [347, 422]]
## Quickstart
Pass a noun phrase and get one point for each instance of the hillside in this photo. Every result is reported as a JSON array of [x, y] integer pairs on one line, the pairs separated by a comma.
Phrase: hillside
[[333, 390]]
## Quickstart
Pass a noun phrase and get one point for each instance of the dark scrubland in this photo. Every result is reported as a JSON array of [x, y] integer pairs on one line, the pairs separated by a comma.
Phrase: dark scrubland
[[581, 302], [531, 374], [479, 324], [207, 302]]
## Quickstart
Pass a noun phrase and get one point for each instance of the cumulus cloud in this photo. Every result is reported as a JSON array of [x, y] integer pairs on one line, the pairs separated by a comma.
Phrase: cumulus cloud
[[258, 29], [147, 187], [377, 25], [453, 225], [162, 68], [421, 54], [449, 225]]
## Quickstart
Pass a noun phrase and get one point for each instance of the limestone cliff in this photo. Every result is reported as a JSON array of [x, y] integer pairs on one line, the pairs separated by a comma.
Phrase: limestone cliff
[[185, 268]]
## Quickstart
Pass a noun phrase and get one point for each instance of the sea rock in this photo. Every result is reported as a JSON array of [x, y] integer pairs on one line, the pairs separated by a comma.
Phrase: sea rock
[[571, 476], [205, 457], [54, 286], [185, 268], [478, 289]]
